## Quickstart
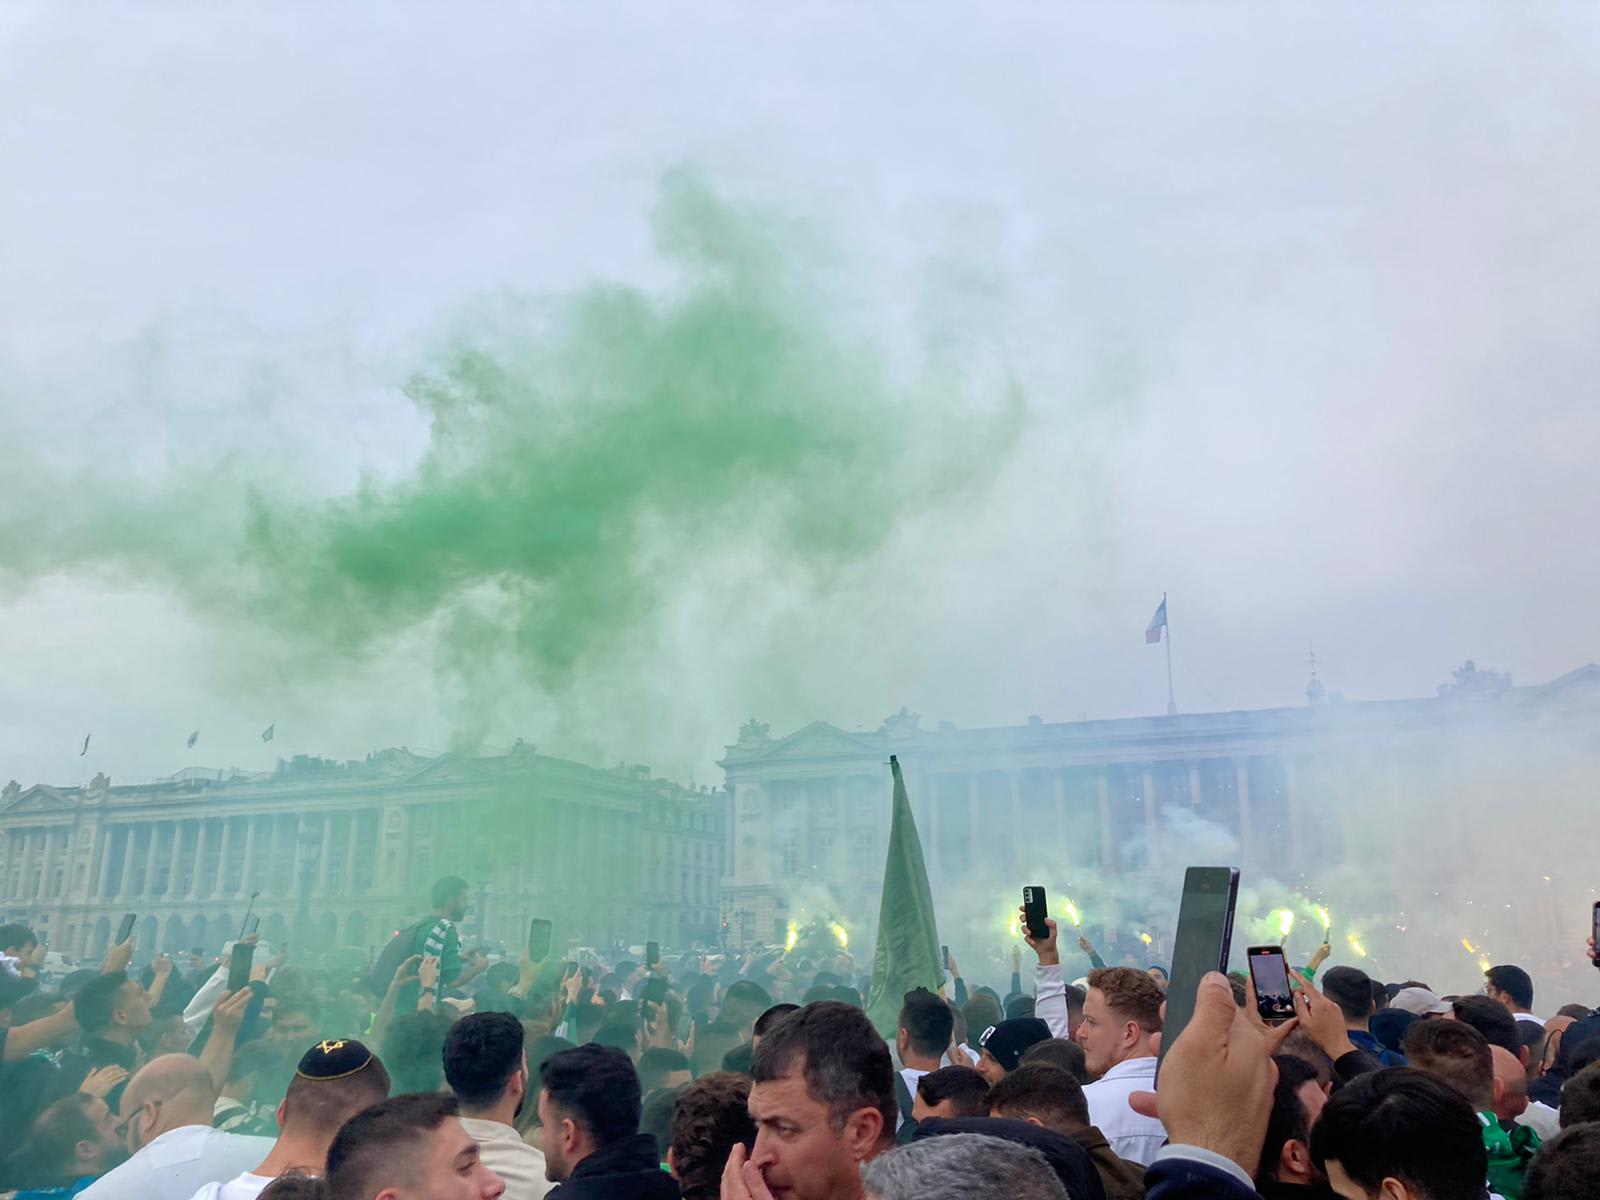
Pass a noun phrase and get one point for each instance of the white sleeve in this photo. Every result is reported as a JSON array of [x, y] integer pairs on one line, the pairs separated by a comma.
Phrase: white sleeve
[[194, 1016], [1050, 999]]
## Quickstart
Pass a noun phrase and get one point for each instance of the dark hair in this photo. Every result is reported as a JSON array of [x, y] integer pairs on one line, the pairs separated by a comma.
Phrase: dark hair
[[1566, 1166], [656, 1118], [846, 1064], [1380, 996], [927, 1022], [14, 935], [1577, 1012], [1351, 989], [294, 1185], [1020, 1005], [965, 1087], [413, 1050], [1046, 1093], [96, 1002], [1299, 1045], [544, 1049], [1514, 982], [1490, 1018], [712, 1040], [1456, 1053], [744, 1001], [656, 1063], [448, 889], [321, 1104], [740, 1058], [1058, 1052], [1407, 1124], [482, 1052], [982, 1010], [375, 1148], [595, 1087], [1289, 1120], [47, 1156], [1075, 998], [710, 1118], [772, 1016], [1580, 1097]]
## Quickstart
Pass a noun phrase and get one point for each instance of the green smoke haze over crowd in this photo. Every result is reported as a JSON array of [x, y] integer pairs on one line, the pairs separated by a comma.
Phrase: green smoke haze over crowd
[[583, 451]]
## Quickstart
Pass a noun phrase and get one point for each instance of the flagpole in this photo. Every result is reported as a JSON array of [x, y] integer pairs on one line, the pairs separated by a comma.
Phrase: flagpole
[[1172, 703]]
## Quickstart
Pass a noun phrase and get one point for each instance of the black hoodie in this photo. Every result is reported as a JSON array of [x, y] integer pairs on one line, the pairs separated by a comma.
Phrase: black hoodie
[[625, 1170]]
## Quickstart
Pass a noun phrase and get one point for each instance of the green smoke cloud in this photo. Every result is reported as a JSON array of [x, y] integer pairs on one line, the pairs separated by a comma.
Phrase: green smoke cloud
[[581, 448]]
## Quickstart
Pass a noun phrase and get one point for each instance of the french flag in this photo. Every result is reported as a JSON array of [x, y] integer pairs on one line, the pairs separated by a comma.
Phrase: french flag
[[1157, 623]]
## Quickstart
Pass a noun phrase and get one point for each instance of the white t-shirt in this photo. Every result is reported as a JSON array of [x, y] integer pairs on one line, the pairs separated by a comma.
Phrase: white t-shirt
[[245, 1187], [179, 1163], [911, 1075], [508, 1156]]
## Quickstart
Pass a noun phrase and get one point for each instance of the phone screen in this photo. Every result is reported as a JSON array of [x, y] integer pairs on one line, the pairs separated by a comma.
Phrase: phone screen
[[239, 965], [539, 940], [1205, 929], [125, 930], [1596, 933], [652, 953], [1034, 911], [1269, 971], [944, 956]]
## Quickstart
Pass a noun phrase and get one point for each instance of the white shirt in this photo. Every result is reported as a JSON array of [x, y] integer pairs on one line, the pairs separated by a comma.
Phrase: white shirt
[[910, 1075], [179, 1163], [1050, 1000], [246, 1187], [508, 1156], [1132, 1136], [1539, 1021]]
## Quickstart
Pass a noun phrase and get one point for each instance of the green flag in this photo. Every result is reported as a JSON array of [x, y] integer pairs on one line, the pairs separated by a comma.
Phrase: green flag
[[907, 956]]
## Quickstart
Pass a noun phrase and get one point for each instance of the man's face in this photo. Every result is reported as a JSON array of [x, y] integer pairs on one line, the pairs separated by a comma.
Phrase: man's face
[[452, 1170], [989, 1067], [1099, 1033], [456, 908], [133, 1007], [557, 1164], [109, 1148], [293, 1026], [800, 1154]]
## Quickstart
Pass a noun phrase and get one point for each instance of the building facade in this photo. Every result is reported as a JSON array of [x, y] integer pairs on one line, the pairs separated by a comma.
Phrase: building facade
[[343, 854], [1292, 789]]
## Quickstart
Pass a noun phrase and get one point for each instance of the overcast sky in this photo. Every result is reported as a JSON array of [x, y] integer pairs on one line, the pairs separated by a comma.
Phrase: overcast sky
[[1304, 304]]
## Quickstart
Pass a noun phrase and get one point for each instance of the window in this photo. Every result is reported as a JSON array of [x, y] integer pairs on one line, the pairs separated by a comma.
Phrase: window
[[789, 854]]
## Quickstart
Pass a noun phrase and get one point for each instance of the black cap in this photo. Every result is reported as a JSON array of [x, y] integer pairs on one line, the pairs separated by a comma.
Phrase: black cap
[[1007, 1040], [333, 1060]]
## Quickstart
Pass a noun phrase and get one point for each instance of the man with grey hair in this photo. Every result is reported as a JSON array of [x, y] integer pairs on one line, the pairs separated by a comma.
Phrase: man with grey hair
[[961, 1165]]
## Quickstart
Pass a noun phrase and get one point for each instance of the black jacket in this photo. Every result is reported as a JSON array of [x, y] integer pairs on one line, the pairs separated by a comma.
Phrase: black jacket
[[625, 1170]]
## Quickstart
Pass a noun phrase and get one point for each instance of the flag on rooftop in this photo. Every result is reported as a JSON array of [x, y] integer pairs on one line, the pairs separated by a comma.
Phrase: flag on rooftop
[[85, 749], [1157, 623], [266, 734], [193, 738]]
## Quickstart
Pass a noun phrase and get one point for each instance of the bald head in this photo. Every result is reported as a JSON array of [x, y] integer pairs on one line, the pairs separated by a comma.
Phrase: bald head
[[1510, 1084], [180, 1085]]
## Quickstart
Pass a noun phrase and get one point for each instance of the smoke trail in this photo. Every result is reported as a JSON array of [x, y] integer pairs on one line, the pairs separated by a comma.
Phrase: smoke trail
[[581, 449]]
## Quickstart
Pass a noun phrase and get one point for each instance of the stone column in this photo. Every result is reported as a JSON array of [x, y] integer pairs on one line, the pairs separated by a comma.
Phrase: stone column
[[1194, 784], [247, 880], [6, 885], [326, 856], [1108, 842], [1241, 769], [268, 888], [20, 888], [174, 860], [1291, 810], [105, 860], [125, 888], [350, 855], [46, 857], [222, 888], [197, 877], [1149, 803], [150, 860]]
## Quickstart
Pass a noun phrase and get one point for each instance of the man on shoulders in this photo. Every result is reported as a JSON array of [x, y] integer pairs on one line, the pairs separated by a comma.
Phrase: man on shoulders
[[486, 1066], [1121, 1016]]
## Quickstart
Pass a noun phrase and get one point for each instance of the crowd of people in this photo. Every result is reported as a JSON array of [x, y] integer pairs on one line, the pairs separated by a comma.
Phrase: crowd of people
[[435, 1073]]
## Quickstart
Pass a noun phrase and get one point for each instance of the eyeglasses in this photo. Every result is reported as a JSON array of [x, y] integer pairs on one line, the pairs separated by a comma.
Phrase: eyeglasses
[[123, 1126]]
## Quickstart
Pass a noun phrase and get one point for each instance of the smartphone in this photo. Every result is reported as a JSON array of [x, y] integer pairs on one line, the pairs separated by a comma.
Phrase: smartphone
[[251, 924], [654, 990], [1596, 933], [652, 953], [1269, 972], [539, 940], [944, 956], [1034, 912], [1205, 931], [125, 930], [239, 965]]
